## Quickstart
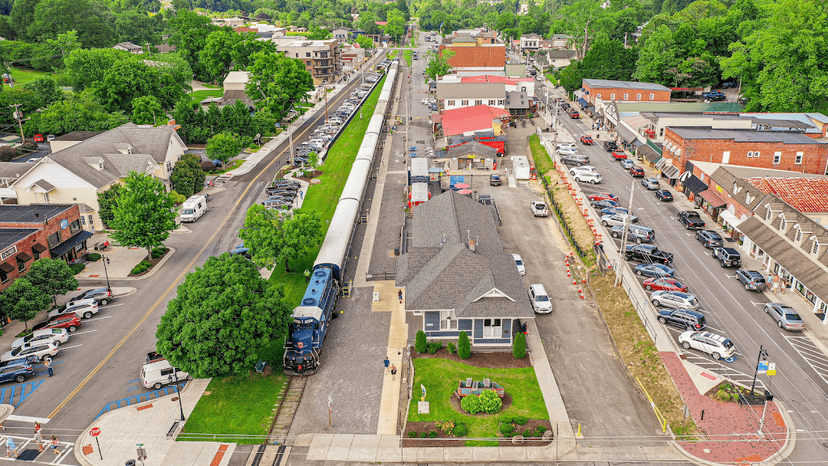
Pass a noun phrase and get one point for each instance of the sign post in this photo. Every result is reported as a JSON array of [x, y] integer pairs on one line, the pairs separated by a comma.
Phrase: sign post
[[330, 409], [95, 432]]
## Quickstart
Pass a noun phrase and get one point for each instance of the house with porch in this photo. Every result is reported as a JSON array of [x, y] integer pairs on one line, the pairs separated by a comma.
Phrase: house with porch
[[458, 278]]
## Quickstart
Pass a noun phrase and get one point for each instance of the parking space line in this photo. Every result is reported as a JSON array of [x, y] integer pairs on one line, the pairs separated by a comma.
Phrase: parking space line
[[85, 331], [111, 306], [69, 347], [97, 318], [811, 354]]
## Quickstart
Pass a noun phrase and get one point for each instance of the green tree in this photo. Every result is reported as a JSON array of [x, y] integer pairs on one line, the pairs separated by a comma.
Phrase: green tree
[[144, 215], [137, 26], [77, 112], [125, 81], [222, 335], [107, 201], [188, 33], [52, 277], [21, 16], [217, 54], [438, 64], [277, 82], [396, 25], [607, 59], [65, 43], [421, 342], [368, 22], [365, 42], [656, 56], [271, 238], [45, 90], [519, 346], [84, 68], [22, 301], [92, 20], [187, 177], [223, 146], [146, 110], [463, 346]]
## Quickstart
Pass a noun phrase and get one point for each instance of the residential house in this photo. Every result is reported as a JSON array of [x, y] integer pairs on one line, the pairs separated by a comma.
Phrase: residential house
[[129, 47], [518, 103], [457, 277], [235, 88], [70, 139], [78, 173], [560, 58], [481, 59], [470, 120], [342, 34], [321, 57], [452, 95]]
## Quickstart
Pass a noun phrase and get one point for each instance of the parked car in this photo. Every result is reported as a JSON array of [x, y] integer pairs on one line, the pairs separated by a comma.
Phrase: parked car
[[626, 164], [586, 173], [690, 219], [610, 146], [619, 154], [785, 316], [637, 172], [752, 279], [240, 250], [728, 85], [566, 144], [713, 96], [663, 195], [620, 211], [635, 233], [708, 342], [540, 300], [653, 270], [603, 196], [605, 204], [709, 238], [102, 295], [648, 253], [574, 115], [566, 150], [728, 257], [39, 350], [494, 180], [675, 300], [70, 322], [519, 263], [85, 308], [575, 160], [587, 140], [614, 220], [666, 284], [58, 335], [539, 209], [16, 372], [682, 318], [650, 183], [38, 138]]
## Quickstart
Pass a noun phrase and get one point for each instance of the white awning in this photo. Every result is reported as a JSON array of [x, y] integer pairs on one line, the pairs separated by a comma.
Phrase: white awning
[[730, 219]]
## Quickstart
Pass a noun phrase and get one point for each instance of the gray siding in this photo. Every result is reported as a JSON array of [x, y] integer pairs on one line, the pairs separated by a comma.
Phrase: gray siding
[[465, 324], [432, 321], [478, 329]]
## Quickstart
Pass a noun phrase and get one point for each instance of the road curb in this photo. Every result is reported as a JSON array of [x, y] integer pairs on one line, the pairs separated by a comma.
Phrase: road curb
[[152, 272]]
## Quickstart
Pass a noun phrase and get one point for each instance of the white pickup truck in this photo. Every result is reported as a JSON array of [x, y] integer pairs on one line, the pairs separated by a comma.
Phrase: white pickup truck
[[539, 209]]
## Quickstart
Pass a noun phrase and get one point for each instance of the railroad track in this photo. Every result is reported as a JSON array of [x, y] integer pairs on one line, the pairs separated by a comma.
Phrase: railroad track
[[286, 411]]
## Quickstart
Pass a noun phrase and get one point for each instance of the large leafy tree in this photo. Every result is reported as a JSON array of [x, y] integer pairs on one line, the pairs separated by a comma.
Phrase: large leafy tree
[[22, 301], [365, 42], [83, 68], [143, 215], [45, 90], [396, 24], [223, 315], [607, 59], [77, 112], [189, 31], [138, 27], [106, 203], [187, 177], [223, 146], [92, 19], [21, 16], [52, 277], [277, 82], [438, 64], [125, 81], [146, 110], [272, 238]]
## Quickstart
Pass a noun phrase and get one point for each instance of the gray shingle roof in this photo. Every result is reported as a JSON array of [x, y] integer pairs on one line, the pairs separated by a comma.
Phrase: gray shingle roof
[[441, 272], [517, 99], [14, 170], [471, 91], [472, 148], [611, 83], [742, 135]]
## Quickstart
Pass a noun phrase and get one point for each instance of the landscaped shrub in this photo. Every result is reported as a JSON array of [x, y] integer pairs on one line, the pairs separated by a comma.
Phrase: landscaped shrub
[[506, 429], [434, 346], [93, 257], [447, 426], [420, 344], [452, 348], [146, 264], [432, 434], [77, 268], [138, 269], [471, 404], [506, 420], [423, 434], [520, 420], [528, 433], [540, 430], [460, 430], [412, 434], [208, 166], [159, 251], [519, 346], [464, 346], [490, 402]]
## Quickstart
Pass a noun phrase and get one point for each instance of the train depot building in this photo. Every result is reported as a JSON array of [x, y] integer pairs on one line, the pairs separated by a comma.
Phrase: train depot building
[[458, 278]]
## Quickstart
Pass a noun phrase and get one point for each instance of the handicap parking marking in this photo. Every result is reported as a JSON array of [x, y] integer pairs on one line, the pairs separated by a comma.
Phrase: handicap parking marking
[[811, 353]]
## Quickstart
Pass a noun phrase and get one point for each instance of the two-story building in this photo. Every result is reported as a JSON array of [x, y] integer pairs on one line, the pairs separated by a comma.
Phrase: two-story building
[[623, 91], [322, 57], [530, 42], [477, 60], [453, 95]]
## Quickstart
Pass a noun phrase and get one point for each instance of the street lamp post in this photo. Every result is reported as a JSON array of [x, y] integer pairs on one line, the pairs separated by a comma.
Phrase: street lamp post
[[178, 390], [106, 272], [762, 353]]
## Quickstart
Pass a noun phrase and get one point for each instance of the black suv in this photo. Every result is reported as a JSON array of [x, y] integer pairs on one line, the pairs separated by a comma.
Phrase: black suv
[[728, 257], [753, 280], [610, 146], [648, 253], [101, 295], [709, 238], [691, 220], [494, 180], [682, 318]]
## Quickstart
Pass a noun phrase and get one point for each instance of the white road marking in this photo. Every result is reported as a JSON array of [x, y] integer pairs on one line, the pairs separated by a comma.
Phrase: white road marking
[[109, 307], [15, 417], [97, 318], [69, 347], [85, 331], [757, 304]]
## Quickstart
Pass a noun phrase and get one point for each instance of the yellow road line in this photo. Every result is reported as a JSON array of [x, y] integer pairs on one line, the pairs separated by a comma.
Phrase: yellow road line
[[183, 272]]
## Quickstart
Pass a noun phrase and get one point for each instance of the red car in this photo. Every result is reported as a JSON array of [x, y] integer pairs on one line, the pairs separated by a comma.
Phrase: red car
[[38, 138], [70, 322], [603, 197], [619, 154], [666, 284], [574, 115], [637, 172], [587, 140]]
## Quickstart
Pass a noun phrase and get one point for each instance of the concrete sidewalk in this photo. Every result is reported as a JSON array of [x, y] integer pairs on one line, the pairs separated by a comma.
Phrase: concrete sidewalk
[[121, 430]]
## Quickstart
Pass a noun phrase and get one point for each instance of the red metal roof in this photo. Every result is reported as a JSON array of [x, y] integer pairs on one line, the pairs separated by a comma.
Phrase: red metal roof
[[487, 78], [805, 194], [468, 119]]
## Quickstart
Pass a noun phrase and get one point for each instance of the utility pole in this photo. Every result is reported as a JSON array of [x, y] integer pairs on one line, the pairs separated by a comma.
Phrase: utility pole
[[624, 235], [18, 115]]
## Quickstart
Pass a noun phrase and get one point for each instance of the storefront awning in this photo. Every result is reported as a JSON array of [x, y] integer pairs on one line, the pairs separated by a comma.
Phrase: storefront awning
[[650, 154], [693, 183], [6, 267], [625, 133], [38, 248], [23, 257], [583, 103], [70, 243], [713, 198], [730, 219], [670, 172]]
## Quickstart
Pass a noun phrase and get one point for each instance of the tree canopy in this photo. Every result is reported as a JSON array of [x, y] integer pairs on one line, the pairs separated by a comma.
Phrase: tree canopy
[[272, 238], [22, 300], [187, 177], [277, 82], [143, 215], [52, 277]]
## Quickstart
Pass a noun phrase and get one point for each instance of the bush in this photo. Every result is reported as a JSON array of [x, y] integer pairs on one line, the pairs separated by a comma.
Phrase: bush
[[528, 433], [77, 268], [208, 166], [7, 153], [464, 346], [137, 269], [432, 434], [490, 402], [506, 420], [28, 147], [452, 348], [93, 257], [412, 434], [146, 264], [519, 346], [471, 404], [434, 346], [506, 429], [460, 430], [423, 434], [159, 251], [420, 344], [447, 426], [520, 420], [540, 430]]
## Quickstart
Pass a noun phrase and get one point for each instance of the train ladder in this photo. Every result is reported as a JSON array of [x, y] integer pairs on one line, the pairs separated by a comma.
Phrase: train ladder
[[346, 289]]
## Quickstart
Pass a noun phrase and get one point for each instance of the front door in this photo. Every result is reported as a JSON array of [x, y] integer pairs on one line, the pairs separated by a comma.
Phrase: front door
[[492, 328]]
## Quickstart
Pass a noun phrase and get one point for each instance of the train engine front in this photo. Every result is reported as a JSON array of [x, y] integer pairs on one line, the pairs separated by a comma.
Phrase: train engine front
[[310, 323]]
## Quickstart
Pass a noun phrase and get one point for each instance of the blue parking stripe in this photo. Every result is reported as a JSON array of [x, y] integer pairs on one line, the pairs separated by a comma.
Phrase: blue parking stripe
[[20, 391], [135, 399]]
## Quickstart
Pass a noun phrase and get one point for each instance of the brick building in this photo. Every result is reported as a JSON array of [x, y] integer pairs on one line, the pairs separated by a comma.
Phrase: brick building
[[29, 232], [624, 91], [778, 150], [321, 57], [482, 59]]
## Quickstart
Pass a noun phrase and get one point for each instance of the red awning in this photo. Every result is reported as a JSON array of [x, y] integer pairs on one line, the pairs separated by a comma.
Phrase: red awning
[[712, 198]]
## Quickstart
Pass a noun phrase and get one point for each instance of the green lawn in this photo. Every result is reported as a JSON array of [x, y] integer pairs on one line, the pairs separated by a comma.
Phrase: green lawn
[[198, 96], [442, 376], [323, 197], [407, 57], [543, 162], [23, 76], [392, 54], [235, 409]]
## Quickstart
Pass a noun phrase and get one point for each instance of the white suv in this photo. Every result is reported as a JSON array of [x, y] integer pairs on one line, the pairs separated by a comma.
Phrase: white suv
[[566, 150], [715, 345], [540, 300], [587, 177], [85, 308]]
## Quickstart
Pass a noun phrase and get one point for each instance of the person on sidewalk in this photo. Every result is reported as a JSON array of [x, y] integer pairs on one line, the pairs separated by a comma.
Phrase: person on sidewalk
[[386, 363], [775, 283], [48, 365], [399, 295], [54, 445], [10, 447], [393, 372], [784, 285]]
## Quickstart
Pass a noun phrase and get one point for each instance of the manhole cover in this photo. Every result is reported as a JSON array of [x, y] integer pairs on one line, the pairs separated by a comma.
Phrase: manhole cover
[[421, 142]]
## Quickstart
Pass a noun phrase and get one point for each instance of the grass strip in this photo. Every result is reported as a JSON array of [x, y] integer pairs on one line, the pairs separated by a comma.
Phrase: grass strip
[[198, 96], [407, 56], [23, 76]]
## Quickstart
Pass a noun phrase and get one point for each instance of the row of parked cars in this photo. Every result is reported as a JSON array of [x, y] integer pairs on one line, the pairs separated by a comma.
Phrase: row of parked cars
[[281, 194], [46, 337]]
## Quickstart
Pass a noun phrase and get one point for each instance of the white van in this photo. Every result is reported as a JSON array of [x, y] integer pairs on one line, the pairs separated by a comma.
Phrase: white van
[[193, 208], [156, 374]]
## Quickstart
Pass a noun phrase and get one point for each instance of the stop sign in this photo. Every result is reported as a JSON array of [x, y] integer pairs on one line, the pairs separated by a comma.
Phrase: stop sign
[[95, 431]]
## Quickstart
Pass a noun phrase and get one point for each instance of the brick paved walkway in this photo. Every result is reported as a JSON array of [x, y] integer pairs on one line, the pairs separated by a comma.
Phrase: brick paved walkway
[[730, 427]]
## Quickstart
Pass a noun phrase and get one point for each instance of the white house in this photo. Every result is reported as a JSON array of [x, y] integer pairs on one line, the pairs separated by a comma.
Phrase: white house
[[452, 95]]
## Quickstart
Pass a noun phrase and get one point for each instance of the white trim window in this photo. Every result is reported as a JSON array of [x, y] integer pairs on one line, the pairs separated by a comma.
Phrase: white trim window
[[492, 328], [798, 159], [777, 157], [448, 320], [626, 97], [638, 97], [612, 96], [652, 96], [451, 103], [464, 103]]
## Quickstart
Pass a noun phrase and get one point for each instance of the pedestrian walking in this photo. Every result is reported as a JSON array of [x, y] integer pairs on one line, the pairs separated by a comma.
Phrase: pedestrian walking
[[775, 283], [393, 372], [48, 365], [39, 437], [10, 447], [399, 295], [386, 363], [784, 285], [54, 445], [307, 275]]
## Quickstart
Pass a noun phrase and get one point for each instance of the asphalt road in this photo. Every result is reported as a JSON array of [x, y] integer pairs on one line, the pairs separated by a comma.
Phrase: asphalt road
[[102, 361], [729, 308]]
